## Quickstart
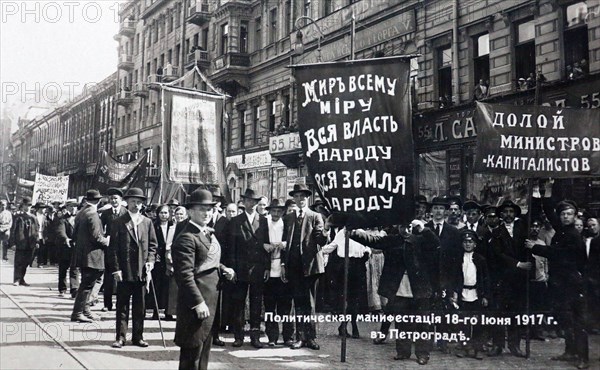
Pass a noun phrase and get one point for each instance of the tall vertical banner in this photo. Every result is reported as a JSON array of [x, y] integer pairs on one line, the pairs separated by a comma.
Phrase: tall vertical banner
[[193, 137], [534, 141], [355, 127], [114, 174], [48, 189]]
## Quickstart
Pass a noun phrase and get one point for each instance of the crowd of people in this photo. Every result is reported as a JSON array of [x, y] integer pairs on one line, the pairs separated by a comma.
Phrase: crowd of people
[[215, 266]]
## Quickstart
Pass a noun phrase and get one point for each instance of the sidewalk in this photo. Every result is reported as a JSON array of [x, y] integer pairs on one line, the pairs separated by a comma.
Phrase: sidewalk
[[56, 342]]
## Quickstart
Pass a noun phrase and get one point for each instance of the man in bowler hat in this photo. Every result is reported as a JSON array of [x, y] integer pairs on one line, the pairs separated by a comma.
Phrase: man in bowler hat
[[24, 236], [90, 245], [132, 253], [196, 261], [248, 232]]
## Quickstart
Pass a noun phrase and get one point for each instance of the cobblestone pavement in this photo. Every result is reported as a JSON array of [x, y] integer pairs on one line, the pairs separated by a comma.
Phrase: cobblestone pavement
[[36, 333]]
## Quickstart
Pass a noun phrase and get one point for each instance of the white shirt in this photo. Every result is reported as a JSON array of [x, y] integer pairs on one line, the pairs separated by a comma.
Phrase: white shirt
[[404, 289], [472, 226], [275, 236], [356, 250], [213, 258], [40, 219], [469, 278], [509, 228], [251, 217], [136, 219], [441, 225]]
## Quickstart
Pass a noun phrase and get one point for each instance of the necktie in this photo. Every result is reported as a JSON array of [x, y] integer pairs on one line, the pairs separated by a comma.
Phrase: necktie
[[437, 229], [300, 216], [473, 227]]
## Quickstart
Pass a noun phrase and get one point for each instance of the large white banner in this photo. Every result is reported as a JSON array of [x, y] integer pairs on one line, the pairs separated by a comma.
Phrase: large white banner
[[49, 189], [193, 137]]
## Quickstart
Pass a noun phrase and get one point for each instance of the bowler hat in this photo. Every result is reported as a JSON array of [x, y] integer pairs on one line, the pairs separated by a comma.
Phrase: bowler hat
[[216, 194], [439, 201], [275, 203], [40, 205], [134, 193], [26, 201], [470, 205], [114, 191], [173, 202], [566, 204], [92, 194], [300, 188], [71, 202], [488, 210], [251, 194], [510, 204], [200, 197], [421, 199]]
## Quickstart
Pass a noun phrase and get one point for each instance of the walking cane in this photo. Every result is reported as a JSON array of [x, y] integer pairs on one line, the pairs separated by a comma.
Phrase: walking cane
[[162, 335]]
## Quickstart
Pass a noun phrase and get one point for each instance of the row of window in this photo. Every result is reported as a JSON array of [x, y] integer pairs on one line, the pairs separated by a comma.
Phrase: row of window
[[253, 129], [576, 54]]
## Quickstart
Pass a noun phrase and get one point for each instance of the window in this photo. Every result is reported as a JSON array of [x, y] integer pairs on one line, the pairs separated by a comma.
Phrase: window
[[243, 122], [177, 52], [170, 24], [432, 174], [286, 110], [244, 37], [272, 112], [258, 34], [196, 40], [170, 56], [481, 58], [576, 40], [224, 38], [444, 76], [255, 123], [306, 11], [525, 49], [328, 7], [137, 43], [205, 38], [287, 17], [273, 25]]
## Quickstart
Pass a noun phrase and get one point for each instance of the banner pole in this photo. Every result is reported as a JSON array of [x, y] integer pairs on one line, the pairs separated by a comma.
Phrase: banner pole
[[345, 293], [162, 145]]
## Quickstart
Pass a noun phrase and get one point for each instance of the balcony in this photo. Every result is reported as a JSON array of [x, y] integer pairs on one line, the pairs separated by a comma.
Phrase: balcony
[[152, 8], [125, 62], [140, 90], [153, 172], [230, 72], [197, 58], [127, 28], [170, 73], [125, 98], [200, 13]]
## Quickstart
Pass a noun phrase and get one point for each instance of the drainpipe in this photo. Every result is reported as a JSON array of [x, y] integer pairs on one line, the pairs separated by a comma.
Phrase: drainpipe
[[455, 66]]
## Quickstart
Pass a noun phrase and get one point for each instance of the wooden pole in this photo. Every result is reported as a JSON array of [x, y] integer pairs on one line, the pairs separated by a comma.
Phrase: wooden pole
[[345, 294]]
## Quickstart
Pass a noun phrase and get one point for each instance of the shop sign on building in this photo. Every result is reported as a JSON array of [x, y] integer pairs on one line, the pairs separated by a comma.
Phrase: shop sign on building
[[250, 160], [284, 143]]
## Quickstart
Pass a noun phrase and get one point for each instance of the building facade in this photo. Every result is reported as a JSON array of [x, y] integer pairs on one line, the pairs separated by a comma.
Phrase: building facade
[[460, 51], [68, 140]]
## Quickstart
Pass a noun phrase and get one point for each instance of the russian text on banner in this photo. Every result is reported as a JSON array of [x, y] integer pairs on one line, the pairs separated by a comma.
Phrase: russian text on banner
[[354, 121], [530, 141]]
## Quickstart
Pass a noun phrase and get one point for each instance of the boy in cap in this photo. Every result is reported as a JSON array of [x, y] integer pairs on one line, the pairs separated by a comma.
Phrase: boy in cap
[[472, 291]]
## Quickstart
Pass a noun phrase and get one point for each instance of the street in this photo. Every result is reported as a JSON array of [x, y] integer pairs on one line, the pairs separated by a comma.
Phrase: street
[[36, 333]]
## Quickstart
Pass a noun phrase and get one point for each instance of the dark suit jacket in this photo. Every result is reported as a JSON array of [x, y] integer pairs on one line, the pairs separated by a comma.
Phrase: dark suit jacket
[[450, 251], [591, 268], [190, 250], [52, 221], [417, 255], [312, 238], [64, 234], [483, 278], [90, 242], [162, 244], [246, 253], [508, 251], [107, 217], [128, 253], [24, 231]]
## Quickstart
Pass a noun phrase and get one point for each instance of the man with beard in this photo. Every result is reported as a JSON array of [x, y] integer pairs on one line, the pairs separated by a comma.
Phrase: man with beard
[[565, 256]]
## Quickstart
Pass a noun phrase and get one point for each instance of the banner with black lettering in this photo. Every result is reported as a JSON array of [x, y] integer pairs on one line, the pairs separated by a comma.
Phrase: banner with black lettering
[[354, 121], [193, 137], [114, 174], [537, 141], [48, 189]]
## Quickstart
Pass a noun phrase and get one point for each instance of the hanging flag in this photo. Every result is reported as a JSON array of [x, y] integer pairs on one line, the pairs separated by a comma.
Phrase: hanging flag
[[534, 141], [355, 127], [114, 174], [193, 137]]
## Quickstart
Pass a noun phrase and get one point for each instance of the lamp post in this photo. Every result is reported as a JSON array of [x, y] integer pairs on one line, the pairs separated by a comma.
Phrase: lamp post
[[298, 45]]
